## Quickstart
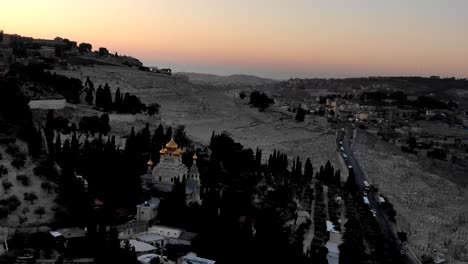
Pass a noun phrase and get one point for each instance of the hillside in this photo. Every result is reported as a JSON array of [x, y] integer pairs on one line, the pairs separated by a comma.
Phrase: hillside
[[235, 79], [203, 109], [19, 183]]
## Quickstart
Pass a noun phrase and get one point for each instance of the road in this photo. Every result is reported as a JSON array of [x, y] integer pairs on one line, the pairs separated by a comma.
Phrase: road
[[382, 219]]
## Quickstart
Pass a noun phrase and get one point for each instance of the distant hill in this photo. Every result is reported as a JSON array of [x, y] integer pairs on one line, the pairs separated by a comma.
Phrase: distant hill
[[235, 79]]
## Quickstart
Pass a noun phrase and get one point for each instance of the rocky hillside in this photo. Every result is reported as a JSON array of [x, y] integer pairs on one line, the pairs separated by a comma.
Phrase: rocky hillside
[[27, 197], [236, 79]]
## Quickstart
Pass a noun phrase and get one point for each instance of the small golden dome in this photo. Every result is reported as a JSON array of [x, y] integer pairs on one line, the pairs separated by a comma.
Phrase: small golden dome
[[150, 162], [162, 151], [195, 156], [181, 151], [171, 145]]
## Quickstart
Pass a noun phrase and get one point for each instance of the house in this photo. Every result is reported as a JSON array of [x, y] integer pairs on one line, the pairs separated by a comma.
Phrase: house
[[153, 239], [147, 258], [47, 52], [71, 240], [148, 210], [172, 235], [141, 248], [191, 258]]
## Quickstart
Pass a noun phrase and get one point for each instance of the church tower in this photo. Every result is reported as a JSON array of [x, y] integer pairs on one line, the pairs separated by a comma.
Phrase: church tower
[[192, 184]]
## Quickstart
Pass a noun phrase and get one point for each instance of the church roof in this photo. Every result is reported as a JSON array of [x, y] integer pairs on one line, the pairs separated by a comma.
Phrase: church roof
[[171, 145]]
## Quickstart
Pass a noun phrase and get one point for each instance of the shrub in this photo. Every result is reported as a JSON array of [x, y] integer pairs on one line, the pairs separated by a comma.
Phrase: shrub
[[46, 186], [18, 162], [6, 185], [3, 170], [40, 211], [12, 149], [3, 212], [242, 95], [46, 169], [23, 179], [12, 203], [31, 197]]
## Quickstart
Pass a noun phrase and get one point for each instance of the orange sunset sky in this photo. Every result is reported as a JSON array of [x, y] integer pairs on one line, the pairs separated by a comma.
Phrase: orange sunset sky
[[277, 39]]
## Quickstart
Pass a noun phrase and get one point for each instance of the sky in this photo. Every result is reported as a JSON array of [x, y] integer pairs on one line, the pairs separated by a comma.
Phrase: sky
[[270, 38]]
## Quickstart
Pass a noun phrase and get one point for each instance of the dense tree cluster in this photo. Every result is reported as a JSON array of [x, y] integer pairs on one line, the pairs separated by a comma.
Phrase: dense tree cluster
[[85, 47], [260, 100], [122, 103], [70, 88]]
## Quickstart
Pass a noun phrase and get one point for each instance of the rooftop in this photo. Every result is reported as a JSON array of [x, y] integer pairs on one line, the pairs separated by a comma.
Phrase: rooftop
[[141, 246]]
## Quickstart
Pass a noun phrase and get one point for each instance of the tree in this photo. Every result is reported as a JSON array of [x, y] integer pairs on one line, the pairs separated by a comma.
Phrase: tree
[[308, 170], [85, 47], [40, 211], [46, 186], [89, 96], [103, 51], [23, 179], [31, 197], [181, 137], [153, 109], [242, 95], [300, 114], [3, 212], [260, 100], [6, 185]]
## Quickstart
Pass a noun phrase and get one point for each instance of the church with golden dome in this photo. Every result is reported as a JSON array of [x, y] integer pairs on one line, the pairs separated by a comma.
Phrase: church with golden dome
[[170, 169]]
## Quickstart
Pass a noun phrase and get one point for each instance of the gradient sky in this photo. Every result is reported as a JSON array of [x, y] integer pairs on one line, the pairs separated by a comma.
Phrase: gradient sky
[[271, 38]]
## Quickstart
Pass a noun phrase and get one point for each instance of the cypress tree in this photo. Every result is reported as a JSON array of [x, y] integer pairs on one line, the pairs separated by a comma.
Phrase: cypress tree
[[58, 146], [117, 100], [308, 170], [168, 134], [99, 101]]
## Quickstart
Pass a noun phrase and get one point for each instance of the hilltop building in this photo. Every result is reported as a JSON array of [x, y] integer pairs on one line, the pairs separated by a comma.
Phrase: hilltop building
[[170, 170]]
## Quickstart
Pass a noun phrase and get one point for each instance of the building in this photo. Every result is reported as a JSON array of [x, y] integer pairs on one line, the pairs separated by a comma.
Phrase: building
[[148, 210], [172, 235], [192, 183], [170, 170], [191, 258], [141, 248]]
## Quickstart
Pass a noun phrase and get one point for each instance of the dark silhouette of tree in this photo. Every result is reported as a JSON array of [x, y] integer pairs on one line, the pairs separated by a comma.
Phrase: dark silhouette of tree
[[168, 134], [103, 51], [89, 98], [6, 185], [153, 109], [181, 137], [300, 114], [118, 99], [85, 47], [40, 211], [308, 170], [260, 100]]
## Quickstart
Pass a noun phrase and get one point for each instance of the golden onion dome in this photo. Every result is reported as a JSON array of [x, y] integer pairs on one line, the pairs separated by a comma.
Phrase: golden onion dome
[[150, 162], [195, 156], [162, 151], [181, 151], [171, 145]]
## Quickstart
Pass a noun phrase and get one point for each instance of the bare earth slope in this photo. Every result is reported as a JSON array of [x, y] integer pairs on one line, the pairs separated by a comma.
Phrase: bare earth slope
[[431, 208]]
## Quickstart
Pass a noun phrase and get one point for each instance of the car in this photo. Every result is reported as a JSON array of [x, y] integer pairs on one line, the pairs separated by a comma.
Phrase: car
[[374, 212]]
